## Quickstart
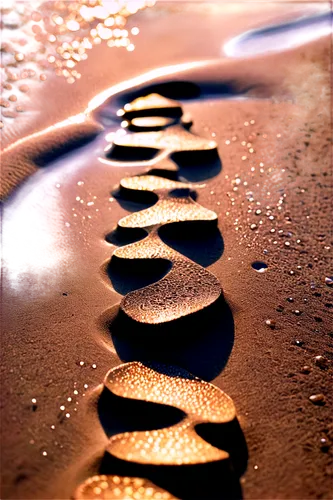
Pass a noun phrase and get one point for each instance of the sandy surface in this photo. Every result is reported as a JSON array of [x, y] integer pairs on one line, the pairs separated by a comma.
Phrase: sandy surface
[[55, 291]]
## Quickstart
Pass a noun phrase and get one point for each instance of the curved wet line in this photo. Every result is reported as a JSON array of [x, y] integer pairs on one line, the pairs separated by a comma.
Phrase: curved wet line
[[277, 37]]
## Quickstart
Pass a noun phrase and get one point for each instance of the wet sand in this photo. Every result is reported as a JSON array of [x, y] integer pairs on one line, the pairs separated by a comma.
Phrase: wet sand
[[56, 291]]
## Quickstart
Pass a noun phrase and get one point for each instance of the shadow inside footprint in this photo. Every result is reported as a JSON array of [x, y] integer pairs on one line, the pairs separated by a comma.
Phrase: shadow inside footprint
[[197, 166], [134, 200], [212, 481], [121, 414], [231, 439], [118, 414], [127, 275], [204, 340], [196, 240], [124, 153], [172, 89], [120, 237]]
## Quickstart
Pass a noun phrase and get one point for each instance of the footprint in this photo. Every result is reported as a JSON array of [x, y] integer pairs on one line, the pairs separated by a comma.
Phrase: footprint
[[177, 444], [151, 105], [187, 287], [115, 487], [162, 286]]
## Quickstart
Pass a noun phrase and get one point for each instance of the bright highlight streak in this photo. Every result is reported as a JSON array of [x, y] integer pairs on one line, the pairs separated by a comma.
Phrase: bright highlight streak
[[279, 37]]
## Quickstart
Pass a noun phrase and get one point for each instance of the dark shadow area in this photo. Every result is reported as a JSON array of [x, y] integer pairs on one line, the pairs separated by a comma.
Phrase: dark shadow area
[[171, 89], [185, 90], [183, 192], [127, 275], [134, 200], [175, 89], [131, 153], [228, 437], [202, 244], [204, 340], [196, 166], [118, 414], [208, 481], [121, 236], [259, 266], [167, 174]]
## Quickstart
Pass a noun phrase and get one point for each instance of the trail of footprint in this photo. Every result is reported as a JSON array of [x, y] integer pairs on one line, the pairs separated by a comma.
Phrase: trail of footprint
[[186, 289], [178, 444]]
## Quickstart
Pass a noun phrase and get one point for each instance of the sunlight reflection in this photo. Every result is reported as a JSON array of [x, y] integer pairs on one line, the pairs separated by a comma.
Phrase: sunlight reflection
[[279, 37], [28, 228]]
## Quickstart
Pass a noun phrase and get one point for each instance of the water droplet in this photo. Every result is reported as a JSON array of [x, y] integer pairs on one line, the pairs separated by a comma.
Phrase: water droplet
[[53, 427], [253, 226], [81, 363], [44, 453], [94, 366], [259, 266], [271, 323], [62, 407], [34, 401]]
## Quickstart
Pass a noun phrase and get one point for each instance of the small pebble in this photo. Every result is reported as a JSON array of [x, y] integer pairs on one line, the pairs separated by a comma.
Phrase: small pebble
[[317, 399], [329, 280], [322, 362], [324, 445]]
